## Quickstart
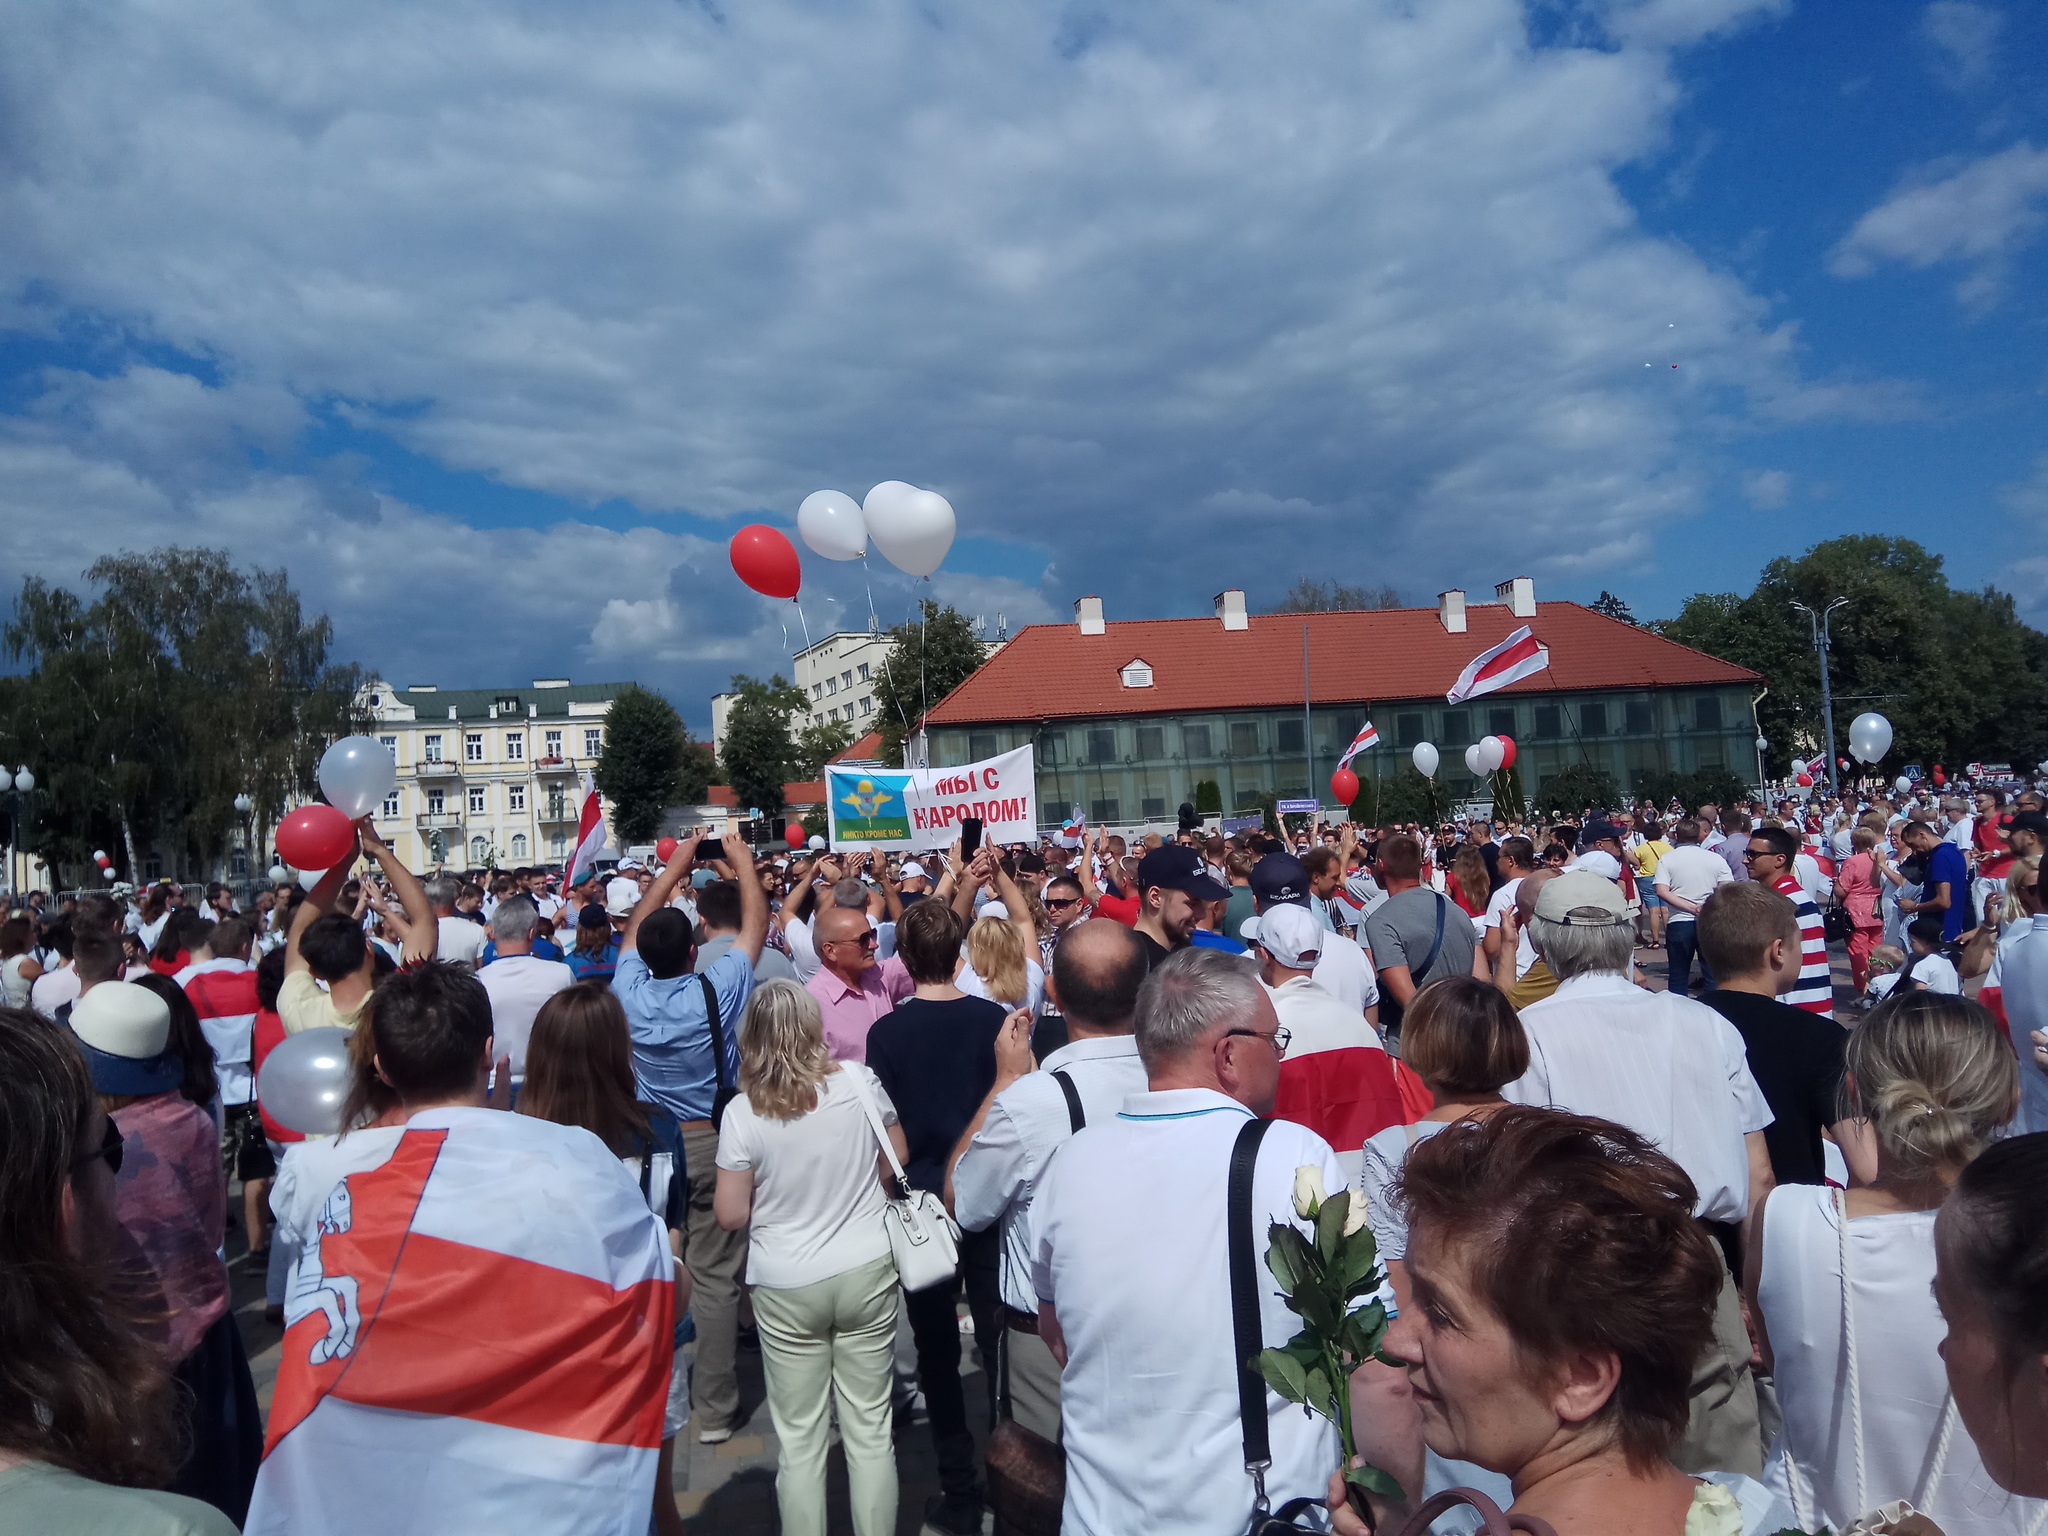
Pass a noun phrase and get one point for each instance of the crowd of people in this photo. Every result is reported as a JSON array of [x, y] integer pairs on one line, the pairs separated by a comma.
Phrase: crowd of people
[[1741, 1250]]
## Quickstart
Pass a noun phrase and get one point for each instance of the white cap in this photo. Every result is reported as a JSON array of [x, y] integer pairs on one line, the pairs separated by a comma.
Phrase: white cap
[[992, 909], [1597, 861], [912, 867], [1290, 934], [122, 1019]]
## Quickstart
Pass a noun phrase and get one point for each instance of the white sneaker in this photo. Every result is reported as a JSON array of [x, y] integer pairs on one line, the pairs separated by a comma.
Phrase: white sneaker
[[714, 1436]]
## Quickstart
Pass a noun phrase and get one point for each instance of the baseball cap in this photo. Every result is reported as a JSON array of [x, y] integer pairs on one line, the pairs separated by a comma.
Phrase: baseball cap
[[621, 906], [1594, 831], [125, 1032], [1279, 878], [1176, 867], [1290, 934], [912, 870], [2027, 821], [994, 909], [1579, 898]]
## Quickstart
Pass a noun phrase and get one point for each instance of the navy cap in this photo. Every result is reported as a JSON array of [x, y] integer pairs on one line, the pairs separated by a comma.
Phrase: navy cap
[[1279, 878], [1177, 867], [1595, 831]]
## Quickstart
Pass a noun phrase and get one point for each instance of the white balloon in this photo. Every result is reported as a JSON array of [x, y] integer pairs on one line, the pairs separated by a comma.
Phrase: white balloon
[[106, 874], [308, 878], [356, 774], [912, 528], [279, 874], [1870, 736], [1491, 753], [306, 1079], [1472, 762], [99, 855], [833, 524], [1425, 759], [1904, 785]]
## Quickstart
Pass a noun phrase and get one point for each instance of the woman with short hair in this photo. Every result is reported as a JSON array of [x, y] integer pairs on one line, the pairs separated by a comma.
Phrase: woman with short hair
[[800, 1168], [1841, 1282]]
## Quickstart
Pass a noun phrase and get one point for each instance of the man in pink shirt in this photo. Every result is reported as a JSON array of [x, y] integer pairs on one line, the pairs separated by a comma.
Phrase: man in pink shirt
[[851, 988]]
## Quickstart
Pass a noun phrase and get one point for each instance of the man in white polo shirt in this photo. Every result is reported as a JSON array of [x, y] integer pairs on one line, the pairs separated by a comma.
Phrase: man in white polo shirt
[[1096, 973], [518, 980], [1130, 1263]]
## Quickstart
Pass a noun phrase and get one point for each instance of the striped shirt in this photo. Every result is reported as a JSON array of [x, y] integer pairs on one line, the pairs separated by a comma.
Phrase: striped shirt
[[1816, 990]]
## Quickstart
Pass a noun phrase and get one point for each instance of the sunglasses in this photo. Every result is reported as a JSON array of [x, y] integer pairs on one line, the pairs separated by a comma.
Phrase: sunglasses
[[1061, 903], [866, 940], [108, 1149]]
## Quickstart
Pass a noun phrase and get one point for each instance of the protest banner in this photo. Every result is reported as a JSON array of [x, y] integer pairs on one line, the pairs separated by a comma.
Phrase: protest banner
[[922, 808]]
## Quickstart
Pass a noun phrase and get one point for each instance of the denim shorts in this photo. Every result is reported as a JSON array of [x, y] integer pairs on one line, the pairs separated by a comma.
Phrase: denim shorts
[[1649, 897]]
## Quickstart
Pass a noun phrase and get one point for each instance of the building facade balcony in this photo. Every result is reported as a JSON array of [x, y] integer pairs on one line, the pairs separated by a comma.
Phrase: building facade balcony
[[439, 821], [437, 768]]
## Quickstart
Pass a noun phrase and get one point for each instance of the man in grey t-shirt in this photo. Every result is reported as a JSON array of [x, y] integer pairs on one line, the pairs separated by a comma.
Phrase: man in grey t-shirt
[[1402, 931], [718, 909]]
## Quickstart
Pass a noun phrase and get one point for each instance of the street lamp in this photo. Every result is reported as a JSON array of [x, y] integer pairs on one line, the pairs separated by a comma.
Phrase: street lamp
[[1761, 743], [1819, 624], [21, 783], [243, 806]]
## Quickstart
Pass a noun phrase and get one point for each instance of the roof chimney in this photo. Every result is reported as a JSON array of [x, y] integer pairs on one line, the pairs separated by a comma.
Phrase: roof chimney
[[1088, 614], [1450, 609], [1230, 609], [1519, 593]]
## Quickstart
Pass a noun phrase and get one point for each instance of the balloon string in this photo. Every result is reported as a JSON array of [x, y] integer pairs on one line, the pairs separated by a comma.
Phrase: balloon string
[[867, 580], [805, 622]]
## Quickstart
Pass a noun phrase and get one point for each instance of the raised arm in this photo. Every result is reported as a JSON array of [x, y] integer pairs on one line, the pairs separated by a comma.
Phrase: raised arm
[[753, 900], [318, 903], [423, 934], [1013, 902], [664, 887]]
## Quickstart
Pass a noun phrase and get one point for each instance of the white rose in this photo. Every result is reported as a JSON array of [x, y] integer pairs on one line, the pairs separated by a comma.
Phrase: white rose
[[1354, 1218], [1308, 1191]]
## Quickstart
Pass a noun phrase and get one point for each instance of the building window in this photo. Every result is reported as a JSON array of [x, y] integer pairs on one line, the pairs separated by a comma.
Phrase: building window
[[389, 744], [433, 748], [519, 845], [473, 747], [437, 803], [867, 704], [593, 741], [1151, 743], [1706, 712], [1500, 722], [515, 746], [476, 799], [558, 804], [551, 744], [1248, 799], [1194, 741], [1457, 727], [1102, 746], [831, 685], [1407, 729], [1152, 807], [390, 810], [479, 852], [1642, 718], [846, 678], [980, 744], [515, 797], [1592, 719], [1103, 812], [817, 690], [1137, 674], [863, 671], [558, 847], [1288, 736], [1548, 727], [1244, 738]]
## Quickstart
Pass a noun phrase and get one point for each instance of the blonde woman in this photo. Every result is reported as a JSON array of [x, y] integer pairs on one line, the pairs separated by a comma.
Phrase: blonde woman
[[1842, 1283], [999, 969], [799, 1168]]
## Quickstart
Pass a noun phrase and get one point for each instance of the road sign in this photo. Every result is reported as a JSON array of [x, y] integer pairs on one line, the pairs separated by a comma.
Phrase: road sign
[[1299, 807]]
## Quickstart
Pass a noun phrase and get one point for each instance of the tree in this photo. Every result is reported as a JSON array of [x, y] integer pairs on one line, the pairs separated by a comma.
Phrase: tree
[[1208, 797], [926, 662], [759, 755], [817, 745], [1691, 790], [1612, 606], [1402, 796], [1575, 788], [1310, 596], [1957, 673], [649, 763]]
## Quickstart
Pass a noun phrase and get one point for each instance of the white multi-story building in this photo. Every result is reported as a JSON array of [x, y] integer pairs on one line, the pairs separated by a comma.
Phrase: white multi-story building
[[488, 776]]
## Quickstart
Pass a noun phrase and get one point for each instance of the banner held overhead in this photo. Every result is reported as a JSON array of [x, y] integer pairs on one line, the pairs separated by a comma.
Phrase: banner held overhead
[[922, 808]]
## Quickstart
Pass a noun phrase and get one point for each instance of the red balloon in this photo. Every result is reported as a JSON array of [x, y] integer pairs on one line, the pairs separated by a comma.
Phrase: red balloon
[[665, 849], [315, 837], [766, 561], [1804, 781], [794, 834], [1344, 786], [1507, 751], [1940, 778]]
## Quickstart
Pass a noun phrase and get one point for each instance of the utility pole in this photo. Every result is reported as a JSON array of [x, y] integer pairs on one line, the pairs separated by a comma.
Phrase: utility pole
[[1819, 625]]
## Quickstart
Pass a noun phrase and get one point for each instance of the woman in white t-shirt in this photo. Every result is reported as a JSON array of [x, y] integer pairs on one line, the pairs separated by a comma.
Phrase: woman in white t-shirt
[[1845, 1311], [998, 968], [800, 1169]]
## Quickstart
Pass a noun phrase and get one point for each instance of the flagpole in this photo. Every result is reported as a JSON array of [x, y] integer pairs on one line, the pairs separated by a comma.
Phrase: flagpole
[[1308, 729]]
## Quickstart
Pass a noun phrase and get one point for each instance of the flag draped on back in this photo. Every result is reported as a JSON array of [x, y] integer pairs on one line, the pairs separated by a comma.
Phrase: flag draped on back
[[478, 1337], [1520, 655], [589, 834], [1368, 737]]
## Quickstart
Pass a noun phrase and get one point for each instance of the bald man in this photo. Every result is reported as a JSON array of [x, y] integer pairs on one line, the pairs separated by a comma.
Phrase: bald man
[[1536, 981], [853, 989]]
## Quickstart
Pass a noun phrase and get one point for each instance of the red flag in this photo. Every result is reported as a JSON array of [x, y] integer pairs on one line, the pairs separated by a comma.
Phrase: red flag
[[589, 834]]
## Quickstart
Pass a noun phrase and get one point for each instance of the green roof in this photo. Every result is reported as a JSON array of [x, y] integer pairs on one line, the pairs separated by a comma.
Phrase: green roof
[[475, 703]]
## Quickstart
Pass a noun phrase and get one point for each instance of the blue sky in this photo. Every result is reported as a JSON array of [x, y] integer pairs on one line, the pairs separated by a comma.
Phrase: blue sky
[[491, 322]]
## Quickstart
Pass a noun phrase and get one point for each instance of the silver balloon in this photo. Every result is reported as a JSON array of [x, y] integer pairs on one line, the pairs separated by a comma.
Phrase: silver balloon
[[1425, 759], [305, 1081], [1870, 736], [1904, 785], [833, 524], [356, 774], [279, 874]]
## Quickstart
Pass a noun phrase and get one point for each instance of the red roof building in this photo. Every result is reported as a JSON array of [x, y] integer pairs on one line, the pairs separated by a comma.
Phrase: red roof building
[[1129, 718]]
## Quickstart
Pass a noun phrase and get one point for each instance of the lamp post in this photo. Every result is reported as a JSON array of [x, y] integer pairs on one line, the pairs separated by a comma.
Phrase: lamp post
[[243, 806], [16, 787], [1761, 743], [1819, 624]]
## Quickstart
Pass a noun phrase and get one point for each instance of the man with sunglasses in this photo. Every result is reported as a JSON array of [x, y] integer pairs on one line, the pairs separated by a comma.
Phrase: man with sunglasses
[[852, 987], [1769, 859]]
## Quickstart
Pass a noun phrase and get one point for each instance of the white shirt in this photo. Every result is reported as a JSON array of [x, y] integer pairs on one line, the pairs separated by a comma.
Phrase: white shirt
[[997, 1174], [970, 982], [1960, 833], [518, 985], [1316, 1021], [1343, 971], [1498, 903], [1933, 970], [53, 989], [1599, 861], [817, 1200], [1668, 1068], [460, 940], [2023, 984], [1806, 870], [1691, 871], [1128, 1245]]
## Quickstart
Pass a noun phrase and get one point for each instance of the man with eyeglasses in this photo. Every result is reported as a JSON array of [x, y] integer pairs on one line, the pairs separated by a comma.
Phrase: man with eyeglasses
[[1769, 858], [852, 987]]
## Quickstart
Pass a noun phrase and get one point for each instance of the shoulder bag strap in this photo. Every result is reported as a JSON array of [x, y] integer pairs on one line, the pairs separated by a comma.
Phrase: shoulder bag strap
[[867, 1104], [1075, 1118], [717, 1031], [1247, 1331], [1435, 945]]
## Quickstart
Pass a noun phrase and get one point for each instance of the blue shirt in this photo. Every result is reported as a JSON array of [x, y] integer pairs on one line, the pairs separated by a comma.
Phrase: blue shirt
[[1947, 863], [672, 1034], [595, 965], [1202, 938], [543, 949]]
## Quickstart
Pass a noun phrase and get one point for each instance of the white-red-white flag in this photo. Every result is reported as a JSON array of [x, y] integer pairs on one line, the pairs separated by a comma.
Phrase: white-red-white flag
[[1369, 737], [478, 1336], [1520, 655], [589, 834]]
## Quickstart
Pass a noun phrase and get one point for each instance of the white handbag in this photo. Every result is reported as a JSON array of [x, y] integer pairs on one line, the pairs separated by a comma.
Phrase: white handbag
[[923, 1239]]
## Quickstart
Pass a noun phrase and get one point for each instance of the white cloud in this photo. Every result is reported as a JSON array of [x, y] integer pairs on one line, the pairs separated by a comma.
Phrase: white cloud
[[1765, 489], [1980, 214], [1965, 36], [2029, 497], [1168, 293]]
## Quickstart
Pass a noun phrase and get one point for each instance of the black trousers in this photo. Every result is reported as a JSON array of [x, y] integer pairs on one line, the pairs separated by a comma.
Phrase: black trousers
[[218, 1402], [935, 1326]]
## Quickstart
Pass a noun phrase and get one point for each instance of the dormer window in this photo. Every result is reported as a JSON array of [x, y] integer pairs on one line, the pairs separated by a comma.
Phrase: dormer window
[[1137, 674]]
